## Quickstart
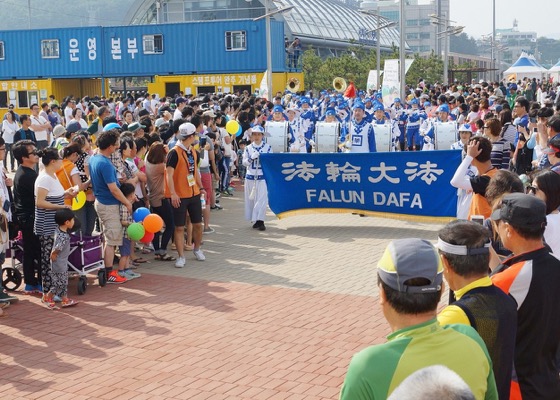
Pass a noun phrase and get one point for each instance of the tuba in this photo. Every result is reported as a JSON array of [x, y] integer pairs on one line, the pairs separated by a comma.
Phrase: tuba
[[339, 84], [293, 85]]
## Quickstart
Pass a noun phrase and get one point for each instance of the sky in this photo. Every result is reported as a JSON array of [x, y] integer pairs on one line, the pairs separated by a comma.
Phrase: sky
[[539, 16]]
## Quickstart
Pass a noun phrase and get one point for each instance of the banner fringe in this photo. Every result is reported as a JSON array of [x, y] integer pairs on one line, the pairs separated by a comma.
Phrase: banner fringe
[[401, 217]]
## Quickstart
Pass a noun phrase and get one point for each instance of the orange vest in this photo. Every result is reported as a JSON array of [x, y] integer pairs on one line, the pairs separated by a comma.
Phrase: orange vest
[[479, 204], [182, 188], [65, 178]]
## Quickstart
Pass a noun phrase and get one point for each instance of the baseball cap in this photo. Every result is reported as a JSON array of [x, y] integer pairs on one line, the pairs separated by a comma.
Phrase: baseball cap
[[553, 146], [465, 128], [406, 259], [135, 126], [330, 111], [73, 127], [187, 129], [180, 100], [112, 125], [521, 210], [378, 107], [443, 108], [279, 109], [359, 104], [210, 113]]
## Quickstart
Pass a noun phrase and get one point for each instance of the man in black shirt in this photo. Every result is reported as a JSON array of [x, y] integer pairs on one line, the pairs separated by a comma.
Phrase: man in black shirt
[[25, 133], [25, 153]]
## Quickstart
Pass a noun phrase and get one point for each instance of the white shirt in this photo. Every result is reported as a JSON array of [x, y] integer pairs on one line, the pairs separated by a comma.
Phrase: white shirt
[[39, 135], [177, 114], [9, 130], [552, 233]]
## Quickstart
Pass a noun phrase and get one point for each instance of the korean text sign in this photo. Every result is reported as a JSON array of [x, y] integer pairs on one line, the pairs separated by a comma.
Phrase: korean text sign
[[406, 183]]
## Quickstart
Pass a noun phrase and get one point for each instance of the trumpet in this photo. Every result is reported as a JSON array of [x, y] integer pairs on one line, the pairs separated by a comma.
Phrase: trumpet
[[293, 85], [339, 84]]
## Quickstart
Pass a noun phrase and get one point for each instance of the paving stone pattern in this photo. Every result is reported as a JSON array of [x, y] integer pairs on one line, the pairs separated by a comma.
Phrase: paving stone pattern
[[269, 315]]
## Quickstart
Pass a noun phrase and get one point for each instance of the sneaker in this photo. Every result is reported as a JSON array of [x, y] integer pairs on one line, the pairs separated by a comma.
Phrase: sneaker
[[199, 255], [114, 277], [130, 274], [30, 289], [6, 298], [256, 225], [208, 230], [218, 195], [216, 207], [180, 263], [262, 227]]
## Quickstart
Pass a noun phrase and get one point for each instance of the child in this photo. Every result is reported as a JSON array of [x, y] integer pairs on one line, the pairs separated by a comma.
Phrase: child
[[256, 197], [128, 190], [64, 218], [241, 169]]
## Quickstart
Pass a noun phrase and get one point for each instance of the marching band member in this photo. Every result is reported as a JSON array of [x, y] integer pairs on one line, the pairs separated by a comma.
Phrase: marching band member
[[256, 194], [380, 118], [369, 109], [415, 117], [398, 113], [296, 132], [308, 118], [361, 136]]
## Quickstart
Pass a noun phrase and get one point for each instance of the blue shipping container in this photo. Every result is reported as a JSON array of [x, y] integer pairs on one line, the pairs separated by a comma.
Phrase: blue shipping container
[[227, 46]]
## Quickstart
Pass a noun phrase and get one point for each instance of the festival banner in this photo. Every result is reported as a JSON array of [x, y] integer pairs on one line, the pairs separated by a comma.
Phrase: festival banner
[[406, 185], [391, 87]]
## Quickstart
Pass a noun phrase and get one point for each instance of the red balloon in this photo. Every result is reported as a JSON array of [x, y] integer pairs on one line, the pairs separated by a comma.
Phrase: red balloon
[[148, 237], [153, 223]]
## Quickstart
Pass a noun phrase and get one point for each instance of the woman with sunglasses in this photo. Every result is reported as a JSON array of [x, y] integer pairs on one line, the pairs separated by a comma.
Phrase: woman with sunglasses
[[546, 186]]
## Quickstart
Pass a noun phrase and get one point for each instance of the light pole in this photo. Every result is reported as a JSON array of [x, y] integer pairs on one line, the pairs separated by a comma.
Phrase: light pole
[[377, 30], [447, 31], [402, 67], [267, 15], [493, 36]]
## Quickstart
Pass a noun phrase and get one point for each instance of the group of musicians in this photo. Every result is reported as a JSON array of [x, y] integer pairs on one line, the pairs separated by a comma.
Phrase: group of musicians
[[333, 123]]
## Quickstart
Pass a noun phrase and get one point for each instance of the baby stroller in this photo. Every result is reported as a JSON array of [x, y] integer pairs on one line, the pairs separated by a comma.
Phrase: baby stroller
[[86, 256]]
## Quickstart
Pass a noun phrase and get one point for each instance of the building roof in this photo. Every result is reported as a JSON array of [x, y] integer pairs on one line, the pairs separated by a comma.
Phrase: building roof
[[325, 21]]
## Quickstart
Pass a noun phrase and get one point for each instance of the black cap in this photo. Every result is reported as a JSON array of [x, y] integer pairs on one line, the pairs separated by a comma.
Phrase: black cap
[[521, 210]]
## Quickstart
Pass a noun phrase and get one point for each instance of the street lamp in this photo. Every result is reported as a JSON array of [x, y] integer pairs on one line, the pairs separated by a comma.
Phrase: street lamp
[[377, 30], [267, 15], [448, 30]]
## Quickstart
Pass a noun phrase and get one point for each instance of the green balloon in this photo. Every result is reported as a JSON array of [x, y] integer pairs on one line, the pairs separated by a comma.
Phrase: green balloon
[[135, 231]]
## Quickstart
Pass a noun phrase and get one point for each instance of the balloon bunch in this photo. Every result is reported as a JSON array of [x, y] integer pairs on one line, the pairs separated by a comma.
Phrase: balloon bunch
[[145, 225], [233, 128]]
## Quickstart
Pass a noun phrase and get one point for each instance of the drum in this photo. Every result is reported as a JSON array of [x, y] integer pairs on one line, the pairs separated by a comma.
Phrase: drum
[[383, 139], [445, 135], [277, 136], [327, 137]]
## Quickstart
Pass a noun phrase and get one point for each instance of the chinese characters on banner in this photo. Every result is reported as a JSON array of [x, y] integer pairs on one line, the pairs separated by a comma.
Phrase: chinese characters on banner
[[407, 183]]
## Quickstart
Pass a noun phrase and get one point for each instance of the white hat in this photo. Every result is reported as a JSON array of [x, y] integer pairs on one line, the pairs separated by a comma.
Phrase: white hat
[[59, 131], [187, 129]]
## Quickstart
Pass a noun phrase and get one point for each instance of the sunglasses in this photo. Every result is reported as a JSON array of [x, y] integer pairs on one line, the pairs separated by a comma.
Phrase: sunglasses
[[532, 189]]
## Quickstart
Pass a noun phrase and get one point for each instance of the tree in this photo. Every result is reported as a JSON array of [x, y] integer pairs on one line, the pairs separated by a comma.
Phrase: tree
[[430, 69], [463, 44]]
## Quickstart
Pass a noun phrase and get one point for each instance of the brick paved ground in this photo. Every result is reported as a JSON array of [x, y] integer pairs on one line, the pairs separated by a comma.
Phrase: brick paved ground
[[268, 315]]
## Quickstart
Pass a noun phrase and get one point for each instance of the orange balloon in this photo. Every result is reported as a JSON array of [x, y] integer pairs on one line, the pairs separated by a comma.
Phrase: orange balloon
[[153, 223]]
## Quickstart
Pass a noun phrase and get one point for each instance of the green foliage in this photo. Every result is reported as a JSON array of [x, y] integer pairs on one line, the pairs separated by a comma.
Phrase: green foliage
[[463, 44], [549, 50], [430, 69], [356, 64]]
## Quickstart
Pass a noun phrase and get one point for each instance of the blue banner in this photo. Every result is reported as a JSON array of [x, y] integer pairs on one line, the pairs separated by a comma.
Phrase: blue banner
[[411, 185]]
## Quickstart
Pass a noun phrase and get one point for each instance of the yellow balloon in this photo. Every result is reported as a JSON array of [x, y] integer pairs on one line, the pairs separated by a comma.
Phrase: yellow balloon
[[232, 127], [79, 201]]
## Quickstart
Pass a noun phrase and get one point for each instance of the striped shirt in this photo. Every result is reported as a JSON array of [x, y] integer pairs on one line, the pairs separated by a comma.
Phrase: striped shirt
[[500, 154], [44, 219]]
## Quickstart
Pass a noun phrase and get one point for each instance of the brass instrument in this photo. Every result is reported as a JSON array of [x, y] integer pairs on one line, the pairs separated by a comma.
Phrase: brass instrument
[[339, 84], [293, 85]]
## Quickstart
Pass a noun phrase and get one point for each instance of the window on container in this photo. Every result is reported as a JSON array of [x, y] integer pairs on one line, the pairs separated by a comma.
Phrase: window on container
[[153, 44], [50, 48], [1, 50], [236, 40], [22, 99], [4, 99]]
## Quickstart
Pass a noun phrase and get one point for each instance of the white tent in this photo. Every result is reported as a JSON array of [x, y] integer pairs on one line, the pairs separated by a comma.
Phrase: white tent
[[555, 72], [525, 67]]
